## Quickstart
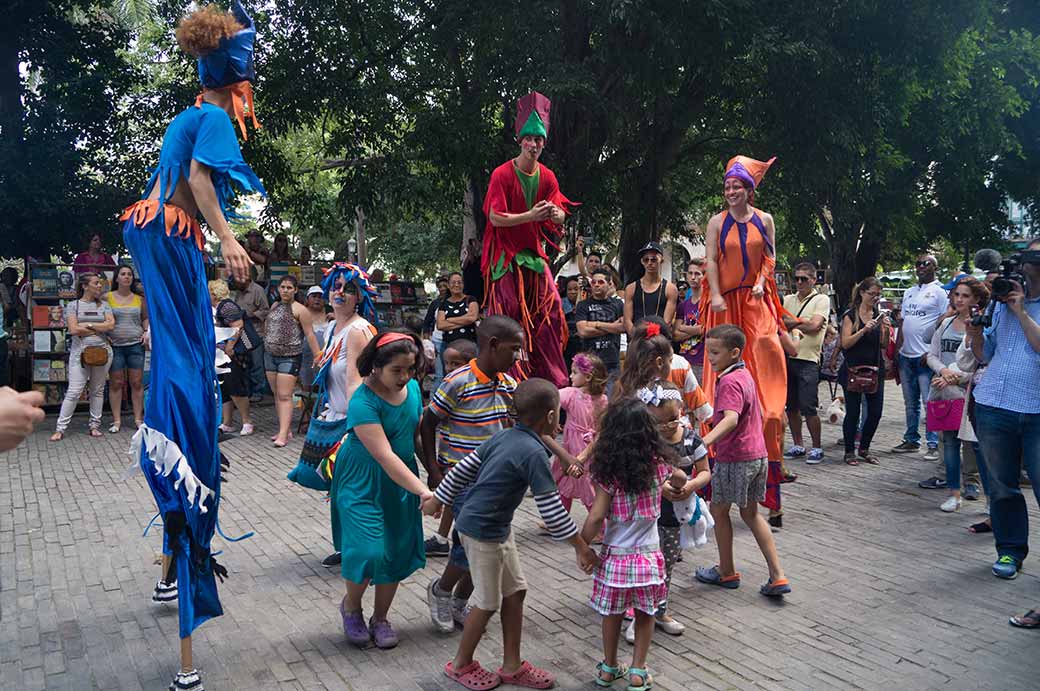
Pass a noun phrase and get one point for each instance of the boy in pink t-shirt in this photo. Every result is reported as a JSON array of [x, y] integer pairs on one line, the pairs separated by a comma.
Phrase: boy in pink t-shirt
[[741, 464]]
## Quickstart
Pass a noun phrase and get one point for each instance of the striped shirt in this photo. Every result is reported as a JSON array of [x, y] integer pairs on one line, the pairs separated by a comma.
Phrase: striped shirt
[[129, 325], [497, 475], [471, 407], [693, 395]]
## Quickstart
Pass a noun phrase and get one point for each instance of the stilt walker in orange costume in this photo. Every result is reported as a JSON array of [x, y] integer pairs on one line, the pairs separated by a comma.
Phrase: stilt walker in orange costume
[[740, 288], [524, 208]]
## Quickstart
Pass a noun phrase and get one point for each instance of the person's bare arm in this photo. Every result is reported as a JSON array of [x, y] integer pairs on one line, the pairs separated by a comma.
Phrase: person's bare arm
[[307, 324], [587, 329], [107, 325], [711, 263], [428, 435], [356, 341], [630, 291], [726, 425], [597, 513], [579, 255], [72, 324], [1016, 303], [375, 442], [671, 295], [205, 197], [615, 327]]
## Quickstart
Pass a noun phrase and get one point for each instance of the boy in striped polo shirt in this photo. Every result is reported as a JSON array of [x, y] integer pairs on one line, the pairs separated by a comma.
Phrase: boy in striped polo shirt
[[468, 408]]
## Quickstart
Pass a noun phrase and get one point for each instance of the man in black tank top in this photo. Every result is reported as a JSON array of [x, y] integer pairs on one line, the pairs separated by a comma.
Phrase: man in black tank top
[[651, 294]]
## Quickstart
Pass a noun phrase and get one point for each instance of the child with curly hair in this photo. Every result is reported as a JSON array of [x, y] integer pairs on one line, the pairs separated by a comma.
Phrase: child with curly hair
[[631, 463]]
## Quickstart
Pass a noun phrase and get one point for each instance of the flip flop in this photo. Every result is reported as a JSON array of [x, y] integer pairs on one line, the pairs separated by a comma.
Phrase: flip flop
[[528, 676], [473, 676], [850, 459], [980, 527], [869, 459]]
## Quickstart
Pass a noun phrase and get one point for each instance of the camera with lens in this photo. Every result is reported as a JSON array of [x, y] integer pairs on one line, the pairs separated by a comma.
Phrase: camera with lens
[[1009, 270]]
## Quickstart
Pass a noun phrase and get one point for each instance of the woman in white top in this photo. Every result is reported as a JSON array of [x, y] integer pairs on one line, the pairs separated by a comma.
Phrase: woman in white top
[[89, 319], [949, 382], [345, 337]]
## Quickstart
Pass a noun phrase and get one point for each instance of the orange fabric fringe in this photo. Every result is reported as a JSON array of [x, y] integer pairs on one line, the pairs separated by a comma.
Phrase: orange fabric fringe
[[242, 98], [178, 222]]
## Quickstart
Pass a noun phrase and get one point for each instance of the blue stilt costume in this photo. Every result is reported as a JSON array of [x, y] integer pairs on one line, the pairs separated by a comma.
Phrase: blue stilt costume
[[176, 448]]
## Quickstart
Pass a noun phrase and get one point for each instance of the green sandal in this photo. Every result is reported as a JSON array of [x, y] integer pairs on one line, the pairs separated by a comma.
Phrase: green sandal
[[648, 681], [618, 672]]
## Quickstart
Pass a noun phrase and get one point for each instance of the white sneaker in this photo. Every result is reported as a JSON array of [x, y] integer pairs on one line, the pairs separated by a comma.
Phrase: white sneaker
[[440, 608], [951, 504], [670, 626], [814, 457], [246, 431], [459, 610], [630, 632]]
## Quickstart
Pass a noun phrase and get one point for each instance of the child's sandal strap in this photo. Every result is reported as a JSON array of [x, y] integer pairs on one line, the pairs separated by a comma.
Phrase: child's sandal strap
[[619, 672], [644, 675]]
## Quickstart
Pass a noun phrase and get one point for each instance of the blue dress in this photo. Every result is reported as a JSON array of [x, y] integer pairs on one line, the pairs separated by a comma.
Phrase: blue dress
[[377, 524], [176, 447]]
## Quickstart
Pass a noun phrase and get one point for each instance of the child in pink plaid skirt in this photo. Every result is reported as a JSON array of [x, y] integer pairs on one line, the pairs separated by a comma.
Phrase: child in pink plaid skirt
[[630, 464]]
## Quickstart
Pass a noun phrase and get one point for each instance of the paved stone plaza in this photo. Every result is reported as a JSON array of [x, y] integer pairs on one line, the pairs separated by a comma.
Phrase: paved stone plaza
[[889, 593]]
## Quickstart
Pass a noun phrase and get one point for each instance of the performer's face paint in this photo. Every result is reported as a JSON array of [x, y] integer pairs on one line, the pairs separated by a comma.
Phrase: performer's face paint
[[396, 374], [735, 192], [343, 293], [532, 146]]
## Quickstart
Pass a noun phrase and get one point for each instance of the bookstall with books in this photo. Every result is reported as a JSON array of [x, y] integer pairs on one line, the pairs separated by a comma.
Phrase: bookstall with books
[[52, 289]]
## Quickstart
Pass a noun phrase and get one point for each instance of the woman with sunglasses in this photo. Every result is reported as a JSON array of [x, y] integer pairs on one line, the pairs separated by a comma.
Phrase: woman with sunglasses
[[864, 336]]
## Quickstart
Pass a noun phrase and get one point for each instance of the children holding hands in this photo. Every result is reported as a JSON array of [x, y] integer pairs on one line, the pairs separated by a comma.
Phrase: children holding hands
[[497, 475]]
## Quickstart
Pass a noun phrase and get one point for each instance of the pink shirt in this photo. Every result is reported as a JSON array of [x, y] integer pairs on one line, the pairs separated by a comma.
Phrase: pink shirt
[[735, 390]]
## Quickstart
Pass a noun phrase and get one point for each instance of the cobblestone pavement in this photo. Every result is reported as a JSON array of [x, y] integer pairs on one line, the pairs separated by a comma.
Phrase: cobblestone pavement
[[888, 591]]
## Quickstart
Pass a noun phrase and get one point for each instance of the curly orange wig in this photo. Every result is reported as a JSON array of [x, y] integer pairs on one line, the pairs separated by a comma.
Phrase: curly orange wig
[[200, 32]]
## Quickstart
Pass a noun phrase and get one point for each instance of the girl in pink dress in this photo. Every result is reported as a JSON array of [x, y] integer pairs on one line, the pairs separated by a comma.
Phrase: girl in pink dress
[[584, 401]]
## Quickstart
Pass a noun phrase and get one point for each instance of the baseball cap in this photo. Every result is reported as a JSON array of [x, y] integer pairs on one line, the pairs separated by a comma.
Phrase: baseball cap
[[650, 247], [315, 290]]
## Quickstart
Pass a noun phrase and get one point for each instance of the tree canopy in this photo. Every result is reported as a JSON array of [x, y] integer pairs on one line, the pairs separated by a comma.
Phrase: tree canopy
[[896, 125]]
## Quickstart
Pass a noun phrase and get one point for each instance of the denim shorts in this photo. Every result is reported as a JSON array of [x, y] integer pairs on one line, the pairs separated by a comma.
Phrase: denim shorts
[[127, 357], [287, 364]]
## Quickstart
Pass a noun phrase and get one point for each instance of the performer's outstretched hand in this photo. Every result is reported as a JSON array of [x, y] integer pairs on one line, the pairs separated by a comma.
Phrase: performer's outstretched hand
[[236, 258]]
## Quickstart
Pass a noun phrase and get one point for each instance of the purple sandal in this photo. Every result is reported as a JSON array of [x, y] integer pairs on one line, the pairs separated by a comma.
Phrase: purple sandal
[[382, 633], [354, 626]]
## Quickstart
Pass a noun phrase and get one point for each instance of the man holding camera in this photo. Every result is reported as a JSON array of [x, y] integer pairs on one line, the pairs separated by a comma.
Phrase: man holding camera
[[1007, 412], [922, 307]]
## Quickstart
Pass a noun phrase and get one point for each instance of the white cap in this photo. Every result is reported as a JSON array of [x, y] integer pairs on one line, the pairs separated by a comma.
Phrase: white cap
[[315, 290]]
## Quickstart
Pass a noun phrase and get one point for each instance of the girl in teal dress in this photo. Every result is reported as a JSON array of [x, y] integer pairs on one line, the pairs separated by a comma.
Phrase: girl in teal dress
[[376, 490]]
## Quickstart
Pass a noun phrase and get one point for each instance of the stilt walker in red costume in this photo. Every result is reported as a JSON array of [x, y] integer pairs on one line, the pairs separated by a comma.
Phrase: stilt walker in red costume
[[524, 208]]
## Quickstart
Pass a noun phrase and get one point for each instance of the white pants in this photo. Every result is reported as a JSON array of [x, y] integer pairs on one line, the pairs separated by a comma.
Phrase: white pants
[[80, 378]]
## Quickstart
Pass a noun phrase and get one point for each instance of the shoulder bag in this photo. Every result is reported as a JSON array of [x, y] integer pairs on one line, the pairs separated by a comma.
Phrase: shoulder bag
[[864, 378], [323, 436]]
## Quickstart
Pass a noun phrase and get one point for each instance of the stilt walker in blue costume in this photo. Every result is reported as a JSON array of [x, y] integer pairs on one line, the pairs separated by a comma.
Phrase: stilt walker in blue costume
[[200, 169]]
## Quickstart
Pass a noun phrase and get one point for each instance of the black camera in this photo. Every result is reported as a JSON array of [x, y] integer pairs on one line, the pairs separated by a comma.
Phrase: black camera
[[980, 317], [1009, 270]]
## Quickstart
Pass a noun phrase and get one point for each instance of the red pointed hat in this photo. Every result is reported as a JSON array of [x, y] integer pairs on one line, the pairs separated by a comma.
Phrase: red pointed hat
[[532, 115], [747, 169]]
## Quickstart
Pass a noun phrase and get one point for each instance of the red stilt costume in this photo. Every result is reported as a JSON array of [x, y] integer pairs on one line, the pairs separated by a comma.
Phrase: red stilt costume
[[517, 275]]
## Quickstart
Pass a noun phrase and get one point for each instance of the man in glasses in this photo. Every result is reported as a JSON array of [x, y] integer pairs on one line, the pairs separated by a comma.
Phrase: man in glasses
[[811, 310], [650, 295], [922, 307]]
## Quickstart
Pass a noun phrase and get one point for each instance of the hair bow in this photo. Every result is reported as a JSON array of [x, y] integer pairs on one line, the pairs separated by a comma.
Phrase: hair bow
[[656, 395], [583, 363], [653, 329]]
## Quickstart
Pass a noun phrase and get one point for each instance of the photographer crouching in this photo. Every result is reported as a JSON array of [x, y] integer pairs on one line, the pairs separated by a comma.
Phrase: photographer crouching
[[1007, 407]]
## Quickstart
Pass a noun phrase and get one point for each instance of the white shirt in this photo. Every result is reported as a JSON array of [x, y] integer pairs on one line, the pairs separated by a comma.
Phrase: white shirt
[[336, 379], [922, 307]]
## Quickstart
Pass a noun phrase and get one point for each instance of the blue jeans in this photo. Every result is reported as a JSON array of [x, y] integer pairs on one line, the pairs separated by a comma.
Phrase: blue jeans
[[917, 381], [257, 376], [952, 459], [1009, 441]]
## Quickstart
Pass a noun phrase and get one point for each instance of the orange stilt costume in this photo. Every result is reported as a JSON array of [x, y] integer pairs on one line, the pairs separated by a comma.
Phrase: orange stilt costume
[[745, 254]]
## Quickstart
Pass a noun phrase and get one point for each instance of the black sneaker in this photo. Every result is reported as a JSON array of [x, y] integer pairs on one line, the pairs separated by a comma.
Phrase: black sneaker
[[776, 522], [932, 483], [907, 447], [971, 491], [436, 548], [333, 559]]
